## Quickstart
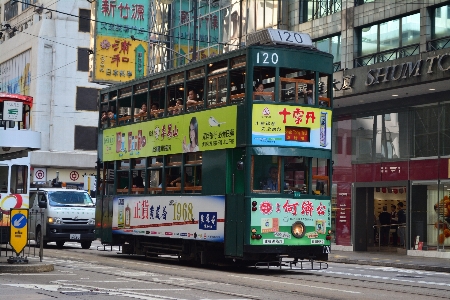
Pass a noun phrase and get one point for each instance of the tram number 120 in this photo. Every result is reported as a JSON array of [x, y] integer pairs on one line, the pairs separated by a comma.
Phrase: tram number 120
[[183, 211], [266, 58]]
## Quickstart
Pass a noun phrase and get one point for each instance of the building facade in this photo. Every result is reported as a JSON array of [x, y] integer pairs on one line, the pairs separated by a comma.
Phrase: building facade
[[44, 54]]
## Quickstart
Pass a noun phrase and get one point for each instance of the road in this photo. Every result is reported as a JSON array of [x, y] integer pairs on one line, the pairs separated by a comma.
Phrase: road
[[93, 274]]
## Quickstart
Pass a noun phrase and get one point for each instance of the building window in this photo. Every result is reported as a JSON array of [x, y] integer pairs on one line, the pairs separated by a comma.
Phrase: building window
[[26, 3], [11, 10], [315, 9], [330, 45], [441, 28], [86, 99], [83, 59], [389, 40], [85, 138], [84, 22]]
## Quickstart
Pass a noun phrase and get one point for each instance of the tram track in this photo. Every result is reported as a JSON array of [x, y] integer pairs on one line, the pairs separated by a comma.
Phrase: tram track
[[240, 277]]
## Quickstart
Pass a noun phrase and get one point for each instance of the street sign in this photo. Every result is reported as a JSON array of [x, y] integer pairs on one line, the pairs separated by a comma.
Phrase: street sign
[[12, 111], [18, 229]]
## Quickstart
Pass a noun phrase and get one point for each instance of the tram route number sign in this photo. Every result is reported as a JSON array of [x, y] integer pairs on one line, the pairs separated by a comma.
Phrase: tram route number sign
[[18, 229]]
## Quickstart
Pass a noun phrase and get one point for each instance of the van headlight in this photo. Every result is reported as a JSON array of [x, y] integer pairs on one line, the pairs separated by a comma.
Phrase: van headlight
[[91, 222], [54, 220]]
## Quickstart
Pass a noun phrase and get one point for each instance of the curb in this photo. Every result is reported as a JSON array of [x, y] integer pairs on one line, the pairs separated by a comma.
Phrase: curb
[[26, 268], [393, 265]]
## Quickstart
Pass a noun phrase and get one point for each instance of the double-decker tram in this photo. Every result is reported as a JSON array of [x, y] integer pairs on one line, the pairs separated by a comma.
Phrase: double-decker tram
[[232, 158]]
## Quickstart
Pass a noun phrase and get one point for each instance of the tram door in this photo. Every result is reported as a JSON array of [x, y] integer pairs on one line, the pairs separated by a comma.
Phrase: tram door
[[363, 210]]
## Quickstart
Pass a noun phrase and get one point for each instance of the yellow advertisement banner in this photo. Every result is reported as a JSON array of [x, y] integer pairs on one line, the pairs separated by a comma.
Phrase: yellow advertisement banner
[[197, 131], [119, 59], [292, 126]]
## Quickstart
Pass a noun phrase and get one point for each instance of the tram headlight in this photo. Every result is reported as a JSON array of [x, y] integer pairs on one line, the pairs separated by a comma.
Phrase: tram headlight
[[298, 229]]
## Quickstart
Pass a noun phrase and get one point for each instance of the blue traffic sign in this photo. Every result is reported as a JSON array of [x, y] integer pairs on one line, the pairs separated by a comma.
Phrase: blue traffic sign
[[19, 220]]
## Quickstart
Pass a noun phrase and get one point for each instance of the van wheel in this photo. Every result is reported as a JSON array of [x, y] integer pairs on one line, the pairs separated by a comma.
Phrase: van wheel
[[38, 238], [86, 245], [59, 244]]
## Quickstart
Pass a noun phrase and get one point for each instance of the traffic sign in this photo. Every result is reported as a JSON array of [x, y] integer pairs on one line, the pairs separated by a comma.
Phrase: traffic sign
[[18, 229]]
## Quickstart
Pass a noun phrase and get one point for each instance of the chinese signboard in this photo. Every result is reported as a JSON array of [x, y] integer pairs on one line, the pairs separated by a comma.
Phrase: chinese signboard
[[199, 131], [295, 126], [119, 59], [123, 18], [121, 35], [12, 111], [200, 217], [274, 218]]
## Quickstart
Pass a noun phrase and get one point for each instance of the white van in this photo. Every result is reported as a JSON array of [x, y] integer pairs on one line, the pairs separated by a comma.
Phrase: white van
[[67, 215]]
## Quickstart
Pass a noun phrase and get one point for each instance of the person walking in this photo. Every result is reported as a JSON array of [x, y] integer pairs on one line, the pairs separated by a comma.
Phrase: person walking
[[394, 227], [385, 221], [401, 217]]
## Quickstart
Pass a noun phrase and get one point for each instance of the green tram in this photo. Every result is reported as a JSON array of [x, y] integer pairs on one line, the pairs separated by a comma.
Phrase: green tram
[[231, 160]]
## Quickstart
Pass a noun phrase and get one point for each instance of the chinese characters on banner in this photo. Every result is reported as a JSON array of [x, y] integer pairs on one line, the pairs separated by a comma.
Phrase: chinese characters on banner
[[294, 126]]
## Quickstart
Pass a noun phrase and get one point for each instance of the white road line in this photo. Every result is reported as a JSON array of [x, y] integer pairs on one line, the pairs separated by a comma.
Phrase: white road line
[[297, 284]]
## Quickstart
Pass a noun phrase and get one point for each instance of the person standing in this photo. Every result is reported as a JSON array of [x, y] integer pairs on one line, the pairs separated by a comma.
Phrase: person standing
[[394, 226], [401, 219], [385, 221]]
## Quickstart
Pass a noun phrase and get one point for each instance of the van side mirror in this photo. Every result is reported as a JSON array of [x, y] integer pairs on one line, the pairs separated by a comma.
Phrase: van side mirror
[[42, 203]]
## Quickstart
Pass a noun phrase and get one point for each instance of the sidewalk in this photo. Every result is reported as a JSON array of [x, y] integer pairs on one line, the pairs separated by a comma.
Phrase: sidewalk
[[399, 259]]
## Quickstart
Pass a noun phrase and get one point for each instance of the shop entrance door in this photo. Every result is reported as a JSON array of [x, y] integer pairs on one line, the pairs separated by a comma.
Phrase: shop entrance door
[[363, 219]]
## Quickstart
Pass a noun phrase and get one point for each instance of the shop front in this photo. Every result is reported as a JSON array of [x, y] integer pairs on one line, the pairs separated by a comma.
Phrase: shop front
[[392, 145]]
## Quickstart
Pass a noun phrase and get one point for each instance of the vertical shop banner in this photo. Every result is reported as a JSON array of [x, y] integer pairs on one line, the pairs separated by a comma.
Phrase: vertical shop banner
[[198, 131], [121, 35], [292, 126]]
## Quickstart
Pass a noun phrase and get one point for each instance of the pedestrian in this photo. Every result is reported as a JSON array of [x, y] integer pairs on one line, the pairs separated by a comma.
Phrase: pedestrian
[[385, 221], [394, 227], [401, 219]]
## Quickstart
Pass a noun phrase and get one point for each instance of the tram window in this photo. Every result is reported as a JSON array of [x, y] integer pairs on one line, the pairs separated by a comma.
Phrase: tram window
[[173, 180], [320, 179], [19, 179], [157, 98], [237, 85], [193, 178], [324, 90], [265, 174], [4, 179], [197, 86], [156, 161], [266, 77], [122, 178], [297, 86], [217, 90], [296, 174]]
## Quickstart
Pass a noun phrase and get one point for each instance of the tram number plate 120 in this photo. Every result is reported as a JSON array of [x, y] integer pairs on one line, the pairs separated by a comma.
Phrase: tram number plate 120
[[273, 241], [75, 236]]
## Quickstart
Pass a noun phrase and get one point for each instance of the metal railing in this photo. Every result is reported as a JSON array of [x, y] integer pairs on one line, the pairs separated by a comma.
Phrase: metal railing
[[386, 56], [438, 44]]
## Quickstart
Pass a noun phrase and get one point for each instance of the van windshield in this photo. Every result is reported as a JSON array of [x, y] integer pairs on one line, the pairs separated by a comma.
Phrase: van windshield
[[62, 198]]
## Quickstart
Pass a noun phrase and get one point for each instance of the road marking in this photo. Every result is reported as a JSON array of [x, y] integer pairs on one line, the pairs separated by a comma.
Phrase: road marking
[[297, 284]]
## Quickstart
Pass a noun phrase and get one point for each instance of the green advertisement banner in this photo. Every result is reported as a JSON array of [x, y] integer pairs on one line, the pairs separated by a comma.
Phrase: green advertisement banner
[[199, 131], [275, 217]]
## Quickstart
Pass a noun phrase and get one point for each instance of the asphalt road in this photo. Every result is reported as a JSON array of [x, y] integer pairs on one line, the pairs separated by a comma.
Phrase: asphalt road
[[94, 274]]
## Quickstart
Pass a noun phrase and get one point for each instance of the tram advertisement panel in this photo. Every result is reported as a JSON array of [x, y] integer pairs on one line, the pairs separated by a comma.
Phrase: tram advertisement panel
[[185, 217], [9, 201], [282, 221], [199, 131], [293, 126]]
